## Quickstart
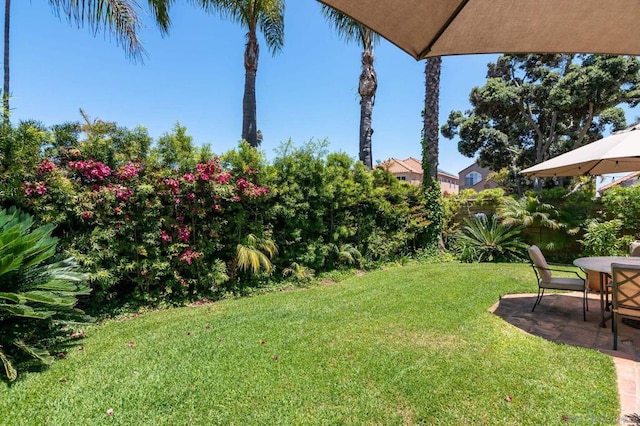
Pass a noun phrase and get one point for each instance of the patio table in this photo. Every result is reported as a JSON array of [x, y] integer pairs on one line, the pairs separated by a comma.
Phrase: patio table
[[602, 265]]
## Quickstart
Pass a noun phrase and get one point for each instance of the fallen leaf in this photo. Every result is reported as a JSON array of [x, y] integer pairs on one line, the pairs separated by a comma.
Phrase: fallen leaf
[[508, 398], [63, 379]]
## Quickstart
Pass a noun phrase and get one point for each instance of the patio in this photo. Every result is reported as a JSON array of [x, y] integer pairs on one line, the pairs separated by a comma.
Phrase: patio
[[559, 318]]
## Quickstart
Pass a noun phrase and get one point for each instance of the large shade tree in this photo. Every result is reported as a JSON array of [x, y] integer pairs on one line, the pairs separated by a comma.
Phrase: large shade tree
[[118, 17], [353, 31], [253, 15], [535, 107]]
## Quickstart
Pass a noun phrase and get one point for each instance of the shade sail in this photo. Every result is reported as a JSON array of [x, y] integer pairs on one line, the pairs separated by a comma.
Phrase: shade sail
[[425, 28], [619, 152]]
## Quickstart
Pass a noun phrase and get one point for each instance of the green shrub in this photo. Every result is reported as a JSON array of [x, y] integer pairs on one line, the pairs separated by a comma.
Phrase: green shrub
[[37, 295], [601, 238]]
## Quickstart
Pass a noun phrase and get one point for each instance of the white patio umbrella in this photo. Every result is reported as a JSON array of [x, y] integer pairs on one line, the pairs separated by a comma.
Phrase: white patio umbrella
[[619, 152], [426, 28]]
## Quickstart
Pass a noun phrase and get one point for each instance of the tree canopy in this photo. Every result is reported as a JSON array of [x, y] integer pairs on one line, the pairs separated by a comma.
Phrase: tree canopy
[[535, 107]]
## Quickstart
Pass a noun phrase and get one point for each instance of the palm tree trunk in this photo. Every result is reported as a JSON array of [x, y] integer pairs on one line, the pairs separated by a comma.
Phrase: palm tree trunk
[[430, 125], [367, 90], [5, 90], [249, 119]]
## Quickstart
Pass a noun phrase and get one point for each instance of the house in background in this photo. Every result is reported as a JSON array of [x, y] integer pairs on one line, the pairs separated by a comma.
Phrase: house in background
[[410, 171], [475, 177], [628, 180]]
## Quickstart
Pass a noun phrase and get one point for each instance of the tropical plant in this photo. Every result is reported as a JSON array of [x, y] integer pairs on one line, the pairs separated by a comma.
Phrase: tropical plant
[[528, 211], [37, 294], [353, 31], [254, 255], [347, 255], [118, 17], [484, 239], [298, 272], [268, 17]]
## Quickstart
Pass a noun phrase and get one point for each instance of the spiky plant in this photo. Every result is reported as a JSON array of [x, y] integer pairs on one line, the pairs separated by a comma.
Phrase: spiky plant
[[484, 239], [37, 294]]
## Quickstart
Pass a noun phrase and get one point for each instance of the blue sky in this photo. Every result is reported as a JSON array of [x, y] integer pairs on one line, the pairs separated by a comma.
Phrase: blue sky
[[195, 76]]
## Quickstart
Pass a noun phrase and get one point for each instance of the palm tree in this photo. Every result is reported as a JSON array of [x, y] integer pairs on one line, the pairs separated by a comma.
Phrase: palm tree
[[118, 17], [352, 30], [268, 16], [430, 117], [254, 255]]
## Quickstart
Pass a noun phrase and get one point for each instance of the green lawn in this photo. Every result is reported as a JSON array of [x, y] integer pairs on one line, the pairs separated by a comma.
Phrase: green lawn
[[408, 345]]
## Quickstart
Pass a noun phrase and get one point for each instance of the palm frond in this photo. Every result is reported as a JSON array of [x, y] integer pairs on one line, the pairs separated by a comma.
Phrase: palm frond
[[118, 17]]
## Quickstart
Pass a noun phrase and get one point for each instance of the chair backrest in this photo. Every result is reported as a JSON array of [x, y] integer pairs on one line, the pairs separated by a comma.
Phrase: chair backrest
[[540, 264], [626, 286], [634, 249]]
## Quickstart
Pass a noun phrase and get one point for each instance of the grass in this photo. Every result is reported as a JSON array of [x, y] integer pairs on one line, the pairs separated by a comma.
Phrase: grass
[[411, 345]]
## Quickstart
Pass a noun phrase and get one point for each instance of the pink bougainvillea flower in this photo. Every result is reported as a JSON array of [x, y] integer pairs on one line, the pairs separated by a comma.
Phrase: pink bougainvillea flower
[[128, 171], [164, 237], [81, 348], [87, 214], [131, 344], [110, 412], [117, 210], [189, 177], [191, 196], [47, 166], [508, 398], [184, 233], [223, 177]]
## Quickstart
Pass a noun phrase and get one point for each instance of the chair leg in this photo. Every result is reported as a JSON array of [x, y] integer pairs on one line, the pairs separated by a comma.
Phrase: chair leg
[[538, 299], [614, 326], [585, 305]]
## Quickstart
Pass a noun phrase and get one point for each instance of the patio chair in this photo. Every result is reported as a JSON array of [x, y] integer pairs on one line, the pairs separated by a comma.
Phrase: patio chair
[[547, 281], [626, 295]]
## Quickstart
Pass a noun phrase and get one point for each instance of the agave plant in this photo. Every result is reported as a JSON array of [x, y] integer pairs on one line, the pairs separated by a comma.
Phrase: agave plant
[[37, 295], [484, 239]]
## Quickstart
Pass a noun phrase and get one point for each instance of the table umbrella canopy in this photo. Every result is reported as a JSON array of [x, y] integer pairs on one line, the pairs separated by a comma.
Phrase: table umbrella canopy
[[425, 28], [619, 152]]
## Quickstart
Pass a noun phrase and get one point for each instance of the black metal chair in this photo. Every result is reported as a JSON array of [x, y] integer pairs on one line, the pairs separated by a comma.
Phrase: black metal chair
[[547, 281]]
